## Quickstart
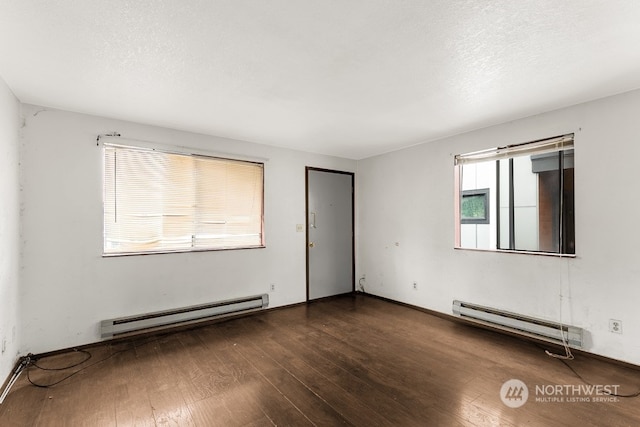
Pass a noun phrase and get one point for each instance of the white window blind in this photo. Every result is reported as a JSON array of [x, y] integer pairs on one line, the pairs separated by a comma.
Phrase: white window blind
[[156, 201]]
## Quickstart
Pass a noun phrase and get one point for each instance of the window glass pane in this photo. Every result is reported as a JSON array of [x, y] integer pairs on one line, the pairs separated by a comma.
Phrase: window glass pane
[[549, 197], [505, 217], [133, 200], [231, 216], [177, 202], [477, 228], [568, 206], [525, 204], [474, 207]]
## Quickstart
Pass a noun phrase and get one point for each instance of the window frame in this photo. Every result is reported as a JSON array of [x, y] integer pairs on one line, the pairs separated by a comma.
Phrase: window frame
[[193, 154]]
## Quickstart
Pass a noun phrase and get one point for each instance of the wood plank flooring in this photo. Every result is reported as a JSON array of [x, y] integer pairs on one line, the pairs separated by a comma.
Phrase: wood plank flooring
[[352, 360]]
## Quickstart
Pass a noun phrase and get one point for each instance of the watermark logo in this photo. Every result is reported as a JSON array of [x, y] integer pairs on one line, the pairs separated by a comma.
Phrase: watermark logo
[[514, 393], [581, 393]]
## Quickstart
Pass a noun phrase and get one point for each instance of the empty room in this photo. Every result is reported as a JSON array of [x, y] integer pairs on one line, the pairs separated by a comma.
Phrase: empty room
[[365, 213]]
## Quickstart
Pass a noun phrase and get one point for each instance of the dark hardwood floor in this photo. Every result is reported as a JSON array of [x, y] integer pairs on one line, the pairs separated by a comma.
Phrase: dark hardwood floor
[[353, 360]]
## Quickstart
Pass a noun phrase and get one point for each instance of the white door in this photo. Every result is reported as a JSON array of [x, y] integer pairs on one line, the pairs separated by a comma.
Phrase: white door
[[329, 233]]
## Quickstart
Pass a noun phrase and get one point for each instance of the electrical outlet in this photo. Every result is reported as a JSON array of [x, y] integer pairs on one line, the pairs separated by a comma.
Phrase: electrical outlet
[[272, 287], [615, 326], [415, 285]]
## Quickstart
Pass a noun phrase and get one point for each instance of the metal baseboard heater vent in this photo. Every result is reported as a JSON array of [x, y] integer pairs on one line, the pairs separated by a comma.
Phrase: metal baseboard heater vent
[[524, 325], [181, 316]]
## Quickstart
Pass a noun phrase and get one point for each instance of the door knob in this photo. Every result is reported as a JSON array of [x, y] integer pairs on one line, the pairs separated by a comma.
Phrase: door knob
[[311, 244]]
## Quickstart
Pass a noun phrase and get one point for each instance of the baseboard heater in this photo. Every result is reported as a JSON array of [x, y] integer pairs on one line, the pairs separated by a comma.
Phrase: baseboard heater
[[516, 323], [181, 316]]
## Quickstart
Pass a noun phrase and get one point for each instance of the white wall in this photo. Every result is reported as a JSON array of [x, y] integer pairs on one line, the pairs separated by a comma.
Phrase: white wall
[[9, 228], [406, 228], [68, 287]]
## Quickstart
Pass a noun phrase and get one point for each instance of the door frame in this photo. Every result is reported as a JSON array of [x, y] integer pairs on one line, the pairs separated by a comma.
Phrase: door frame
[[353, 222]]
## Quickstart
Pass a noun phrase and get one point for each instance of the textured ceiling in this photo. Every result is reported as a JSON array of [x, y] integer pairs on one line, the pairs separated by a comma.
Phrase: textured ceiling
[[350, 78]]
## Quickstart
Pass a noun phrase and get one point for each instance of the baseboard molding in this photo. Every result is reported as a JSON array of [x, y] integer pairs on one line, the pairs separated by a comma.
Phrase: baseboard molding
[[5, 383], [330, 297], [557, 348]]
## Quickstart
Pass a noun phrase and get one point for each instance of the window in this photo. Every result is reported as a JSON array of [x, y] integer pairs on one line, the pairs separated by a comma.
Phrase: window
[[532, 208], [474, 206], [157, 201]]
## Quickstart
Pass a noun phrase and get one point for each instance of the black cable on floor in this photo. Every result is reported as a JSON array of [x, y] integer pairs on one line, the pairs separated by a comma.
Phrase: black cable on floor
[[636, 394], [85, 352], [33, 363], [566, 363]]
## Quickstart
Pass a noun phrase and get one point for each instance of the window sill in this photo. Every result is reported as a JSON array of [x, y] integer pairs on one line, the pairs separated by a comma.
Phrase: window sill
[[184, 251], [506, 251]]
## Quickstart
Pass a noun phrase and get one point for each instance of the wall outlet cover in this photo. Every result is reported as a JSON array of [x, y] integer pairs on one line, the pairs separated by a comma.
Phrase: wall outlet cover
[[615, 326]]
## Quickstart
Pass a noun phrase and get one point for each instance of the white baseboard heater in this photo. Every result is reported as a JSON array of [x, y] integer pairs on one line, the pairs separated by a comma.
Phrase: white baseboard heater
[[524, 325], [181, 316]]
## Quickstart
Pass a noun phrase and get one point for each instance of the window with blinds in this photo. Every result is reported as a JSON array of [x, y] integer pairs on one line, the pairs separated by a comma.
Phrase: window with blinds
[[158, 202], [517, 198]]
